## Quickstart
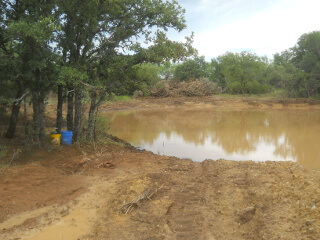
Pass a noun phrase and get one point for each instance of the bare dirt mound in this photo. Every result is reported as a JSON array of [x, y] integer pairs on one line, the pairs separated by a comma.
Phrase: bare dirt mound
[[146, 196], [214, 200]]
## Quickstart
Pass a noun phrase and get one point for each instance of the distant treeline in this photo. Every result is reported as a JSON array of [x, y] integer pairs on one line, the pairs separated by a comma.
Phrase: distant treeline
[[296, 71]]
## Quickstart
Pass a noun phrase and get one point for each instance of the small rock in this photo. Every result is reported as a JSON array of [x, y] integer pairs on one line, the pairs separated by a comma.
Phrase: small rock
[[308, 223], [246, 215]]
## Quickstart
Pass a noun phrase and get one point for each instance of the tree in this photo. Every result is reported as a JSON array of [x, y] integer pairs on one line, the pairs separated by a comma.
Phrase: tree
[[243, 72], [283, 74], [166, 70], [144, 75], [26, 29], [11, 76], [216, 74], [95, 37], [32, 33], [306, 56], [192, 68]]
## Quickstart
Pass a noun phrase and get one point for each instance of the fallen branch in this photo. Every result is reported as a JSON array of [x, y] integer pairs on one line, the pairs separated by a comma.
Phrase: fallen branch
[[147, 194]]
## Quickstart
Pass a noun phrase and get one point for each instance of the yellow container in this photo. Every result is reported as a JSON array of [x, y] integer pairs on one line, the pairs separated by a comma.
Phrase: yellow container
[[55, 139]]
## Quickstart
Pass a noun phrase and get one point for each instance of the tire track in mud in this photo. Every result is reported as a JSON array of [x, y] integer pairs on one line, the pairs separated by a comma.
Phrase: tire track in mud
[[208, 201], [185, 217], [233, 208], [211, 204]]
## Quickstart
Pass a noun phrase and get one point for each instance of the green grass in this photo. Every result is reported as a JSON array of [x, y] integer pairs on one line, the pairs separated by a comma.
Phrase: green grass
[[278, 94], [3, 154], [123, 98], [3, 151], [4, 166], [316, 97]]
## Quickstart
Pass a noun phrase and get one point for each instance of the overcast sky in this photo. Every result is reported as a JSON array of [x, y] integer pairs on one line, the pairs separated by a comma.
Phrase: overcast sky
[[264, 27]]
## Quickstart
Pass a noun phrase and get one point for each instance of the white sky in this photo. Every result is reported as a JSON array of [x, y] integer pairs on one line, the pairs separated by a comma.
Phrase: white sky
[[264, 27]]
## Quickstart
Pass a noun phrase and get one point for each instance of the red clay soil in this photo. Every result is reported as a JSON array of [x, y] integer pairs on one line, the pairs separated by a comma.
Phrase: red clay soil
[[112, 191]]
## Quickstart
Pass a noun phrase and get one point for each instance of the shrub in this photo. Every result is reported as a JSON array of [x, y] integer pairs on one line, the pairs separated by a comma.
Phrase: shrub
[[253, 87], [235, 88]]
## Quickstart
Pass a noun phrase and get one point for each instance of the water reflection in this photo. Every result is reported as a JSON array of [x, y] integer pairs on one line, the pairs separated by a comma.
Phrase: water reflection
[[233, 135]]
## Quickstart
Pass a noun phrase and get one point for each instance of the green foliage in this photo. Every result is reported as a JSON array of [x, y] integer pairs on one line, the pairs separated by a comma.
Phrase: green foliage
[[215, 73], [102, 126], [242, 73], [147, 73], [41, 30], [284, 75], [297, 70], [87, 45], [306, 56], [71, 75], [143, 76], [166, 70], [29, 27], [192, 68], [3, 151]]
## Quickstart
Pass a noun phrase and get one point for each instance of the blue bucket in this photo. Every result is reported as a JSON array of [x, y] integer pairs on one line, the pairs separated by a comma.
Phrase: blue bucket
[[66, 137]]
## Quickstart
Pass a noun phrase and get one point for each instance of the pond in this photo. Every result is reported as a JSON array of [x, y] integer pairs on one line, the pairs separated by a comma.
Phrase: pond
[[199, 134]]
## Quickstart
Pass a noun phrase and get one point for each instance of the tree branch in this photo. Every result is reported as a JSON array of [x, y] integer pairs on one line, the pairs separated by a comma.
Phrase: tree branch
[[18, 101]]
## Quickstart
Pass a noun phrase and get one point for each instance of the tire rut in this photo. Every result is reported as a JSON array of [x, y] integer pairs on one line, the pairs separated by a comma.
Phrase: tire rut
[[185, 218]]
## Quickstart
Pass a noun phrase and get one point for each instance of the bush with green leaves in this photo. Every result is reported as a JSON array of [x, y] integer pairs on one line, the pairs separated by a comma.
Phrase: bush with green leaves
[[192, 69], [243, 73]]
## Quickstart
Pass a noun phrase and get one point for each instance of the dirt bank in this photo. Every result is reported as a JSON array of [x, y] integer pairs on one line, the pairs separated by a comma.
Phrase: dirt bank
[[117, 192], [215, 102]]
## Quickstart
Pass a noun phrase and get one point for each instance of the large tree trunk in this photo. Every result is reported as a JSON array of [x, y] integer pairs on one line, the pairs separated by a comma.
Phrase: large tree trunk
[[91, 119], [15, 113], [59, 108], [78, 115], [70, 95], [96, 100], [38, 117]]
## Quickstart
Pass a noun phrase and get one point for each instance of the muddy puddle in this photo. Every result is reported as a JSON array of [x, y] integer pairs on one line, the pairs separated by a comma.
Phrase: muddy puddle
[[199, 134]]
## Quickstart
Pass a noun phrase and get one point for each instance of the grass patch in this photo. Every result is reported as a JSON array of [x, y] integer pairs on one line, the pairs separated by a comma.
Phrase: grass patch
[[3, 151], [316, 97], [110, 141], [123, 98], [278, 94], [4, 166]]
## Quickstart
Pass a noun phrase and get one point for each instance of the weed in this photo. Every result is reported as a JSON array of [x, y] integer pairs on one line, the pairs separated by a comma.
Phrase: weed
[[102, 126], [122, 98], [15, 155], [4, 154], [277, 94], [3, 151]]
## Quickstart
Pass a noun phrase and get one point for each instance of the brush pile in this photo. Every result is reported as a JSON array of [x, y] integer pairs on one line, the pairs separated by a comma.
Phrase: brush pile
[[191, 88]]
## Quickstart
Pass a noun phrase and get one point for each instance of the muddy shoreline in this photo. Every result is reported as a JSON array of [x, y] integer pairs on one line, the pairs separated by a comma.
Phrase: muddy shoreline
[[85, 187], [215, 102]]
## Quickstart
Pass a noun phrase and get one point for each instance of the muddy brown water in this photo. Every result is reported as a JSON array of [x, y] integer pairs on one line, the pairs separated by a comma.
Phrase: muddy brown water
[[199, 134]]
